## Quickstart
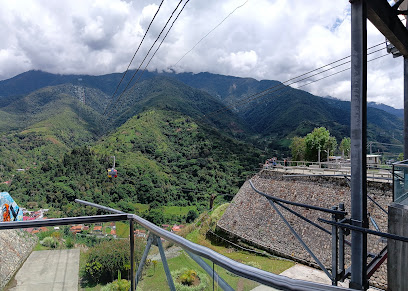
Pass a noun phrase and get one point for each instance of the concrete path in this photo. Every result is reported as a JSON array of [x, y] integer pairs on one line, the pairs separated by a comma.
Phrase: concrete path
[[49, 270], [305, 273]]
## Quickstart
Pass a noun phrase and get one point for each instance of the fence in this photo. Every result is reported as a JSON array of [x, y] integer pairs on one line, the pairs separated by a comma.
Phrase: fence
[[213, 263]]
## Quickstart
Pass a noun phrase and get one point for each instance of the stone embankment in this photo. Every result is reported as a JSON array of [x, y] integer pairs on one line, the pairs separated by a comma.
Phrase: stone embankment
[[251, 219], [15, 247]]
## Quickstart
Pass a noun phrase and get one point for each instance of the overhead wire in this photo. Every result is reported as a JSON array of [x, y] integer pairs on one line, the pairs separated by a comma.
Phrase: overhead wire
[[140, 44], [140, 75], [150, 49], [340, 72], [282, 85], [215, 27]]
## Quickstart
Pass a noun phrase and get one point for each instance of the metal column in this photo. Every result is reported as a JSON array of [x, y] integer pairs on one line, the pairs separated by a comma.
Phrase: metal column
[[358, 142], [132, 255], [405, 108]]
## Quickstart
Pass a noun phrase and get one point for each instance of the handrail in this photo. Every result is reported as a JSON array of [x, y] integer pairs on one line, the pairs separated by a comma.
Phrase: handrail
[[63, 221], [242, 270]]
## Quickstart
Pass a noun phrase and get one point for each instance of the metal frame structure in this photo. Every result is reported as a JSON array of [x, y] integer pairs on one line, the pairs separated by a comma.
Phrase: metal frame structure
[[341, 227], [385, 19], [197, 252]]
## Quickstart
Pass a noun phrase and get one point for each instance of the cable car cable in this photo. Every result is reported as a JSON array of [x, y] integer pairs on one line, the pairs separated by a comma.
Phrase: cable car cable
[[141, 74], [151, 47], [282, 85], [147, 30]]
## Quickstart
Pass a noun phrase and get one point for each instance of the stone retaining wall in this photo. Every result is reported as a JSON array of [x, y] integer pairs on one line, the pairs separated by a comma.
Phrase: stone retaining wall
[[15, 247], [251, 218]]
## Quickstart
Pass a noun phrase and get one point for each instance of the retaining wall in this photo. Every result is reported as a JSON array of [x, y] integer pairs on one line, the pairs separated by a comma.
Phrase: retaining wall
[[252, 219], [15, 247]]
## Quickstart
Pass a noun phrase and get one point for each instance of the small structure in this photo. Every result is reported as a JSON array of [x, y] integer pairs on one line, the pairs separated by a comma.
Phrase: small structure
[[373, 159], [97, 229]]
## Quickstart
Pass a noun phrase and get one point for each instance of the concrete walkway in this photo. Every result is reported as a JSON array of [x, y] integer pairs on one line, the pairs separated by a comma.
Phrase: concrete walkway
[[305, 273], [49, 270]]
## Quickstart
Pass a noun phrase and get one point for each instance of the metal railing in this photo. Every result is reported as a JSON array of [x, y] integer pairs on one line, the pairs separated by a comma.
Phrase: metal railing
[[197, 252], [341, 226]]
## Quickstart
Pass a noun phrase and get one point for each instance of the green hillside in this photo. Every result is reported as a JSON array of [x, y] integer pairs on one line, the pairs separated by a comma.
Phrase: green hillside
[[162, 157], [44, 124]]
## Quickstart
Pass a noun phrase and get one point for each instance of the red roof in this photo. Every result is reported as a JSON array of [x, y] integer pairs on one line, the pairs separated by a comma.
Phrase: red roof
[[175, 228], [97, 228], [76, 227], [113, 232], [28, 218]]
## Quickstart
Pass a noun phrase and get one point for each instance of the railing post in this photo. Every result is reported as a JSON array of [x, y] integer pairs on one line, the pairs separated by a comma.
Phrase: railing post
[[132, 255], [144, 257], [334, 249], [341, 247], [165, 265]]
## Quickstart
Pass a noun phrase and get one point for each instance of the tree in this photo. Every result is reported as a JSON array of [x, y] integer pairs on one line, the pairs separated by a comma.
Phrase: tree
[[344, 147], [319, 139], [191, 216], [298, 147]]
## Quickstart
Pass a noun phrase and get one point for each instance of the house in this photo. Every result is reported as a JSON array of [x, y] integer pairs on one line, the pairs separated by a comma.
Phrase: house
[[140, 233], [97, 228], [76, 228]]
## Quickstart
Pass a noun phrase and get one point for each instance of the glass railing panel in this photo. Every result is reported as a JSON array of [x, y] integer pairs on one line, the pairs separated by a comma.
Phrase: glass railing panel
[[234, 281], [79, 256], [400, 177]]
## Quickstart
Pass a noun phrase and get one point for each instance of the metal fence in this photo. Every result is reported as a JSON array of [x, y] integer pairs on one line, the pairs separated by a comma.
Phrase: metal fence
[[201, 255]]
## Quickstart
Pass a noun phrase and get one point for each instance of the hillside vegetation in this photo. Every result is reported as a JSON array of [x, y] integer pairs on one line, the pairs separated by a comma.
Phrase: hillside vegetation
[[174, 140], [161, 156]]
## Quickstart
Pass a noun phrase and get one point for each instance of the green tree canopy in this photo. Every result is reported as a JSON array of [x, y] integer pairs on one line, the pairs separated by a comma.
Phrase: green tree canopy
[[298, 147], [345, 145], [319, 139]]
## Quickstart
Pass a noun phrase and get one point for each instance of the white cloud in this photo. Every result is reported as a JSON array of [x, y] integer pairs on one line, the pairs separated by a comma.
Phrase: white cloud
[[264, 39]]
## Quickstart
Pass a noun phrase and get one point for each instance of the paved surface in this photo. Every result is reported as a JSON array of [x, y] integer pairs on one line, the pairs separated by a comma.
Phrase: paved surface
[[49, 270], [305, 273]]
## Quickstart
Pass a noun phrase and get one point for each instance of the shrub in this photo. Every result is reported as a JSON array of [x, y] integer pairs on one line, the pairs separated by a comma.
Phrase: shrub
[[69, 242], [180, 287], [118, 285], [107, 258], [50, 242], [188, 277]]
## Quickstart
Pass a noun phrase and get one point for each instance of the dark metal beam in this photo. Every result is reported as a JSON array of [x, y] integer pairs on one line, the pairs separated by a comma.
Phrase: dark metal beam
[[385, 19], [358, 126], [63, 221], [405, 108]]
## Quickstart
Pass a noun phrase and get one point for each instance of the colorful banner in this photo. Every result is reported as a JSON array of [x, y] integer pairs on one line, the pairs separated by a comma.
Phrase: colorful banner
[[9, 208]]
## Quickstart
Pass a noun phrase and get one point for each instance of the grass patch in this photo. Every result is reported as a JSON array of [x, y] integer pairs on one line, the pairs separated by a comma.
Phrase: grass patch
[[122, 229], [155, 278], [141, 208], [178, 210], [40, 247]]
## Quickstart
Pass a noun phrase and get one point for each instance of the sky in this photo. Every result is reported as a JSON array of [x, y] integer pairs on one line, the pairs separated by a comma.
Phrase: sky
[[260, 39]]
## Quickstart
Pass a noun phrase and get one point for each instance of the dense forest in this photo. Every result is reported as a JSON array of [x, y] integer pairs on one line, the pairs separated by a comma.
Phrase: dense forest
[[162, 157]]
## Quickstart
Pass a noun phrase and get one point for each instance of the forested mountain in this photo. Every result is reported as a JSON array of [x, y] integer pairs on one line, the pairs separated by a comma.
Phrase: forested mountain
[[177, 138], [286, 112], [161, 156]]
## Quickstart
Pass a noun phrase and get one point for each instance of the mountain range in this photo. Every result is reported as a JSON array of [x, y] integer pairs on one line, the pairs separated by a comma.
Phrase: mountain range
[[199, 133]]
